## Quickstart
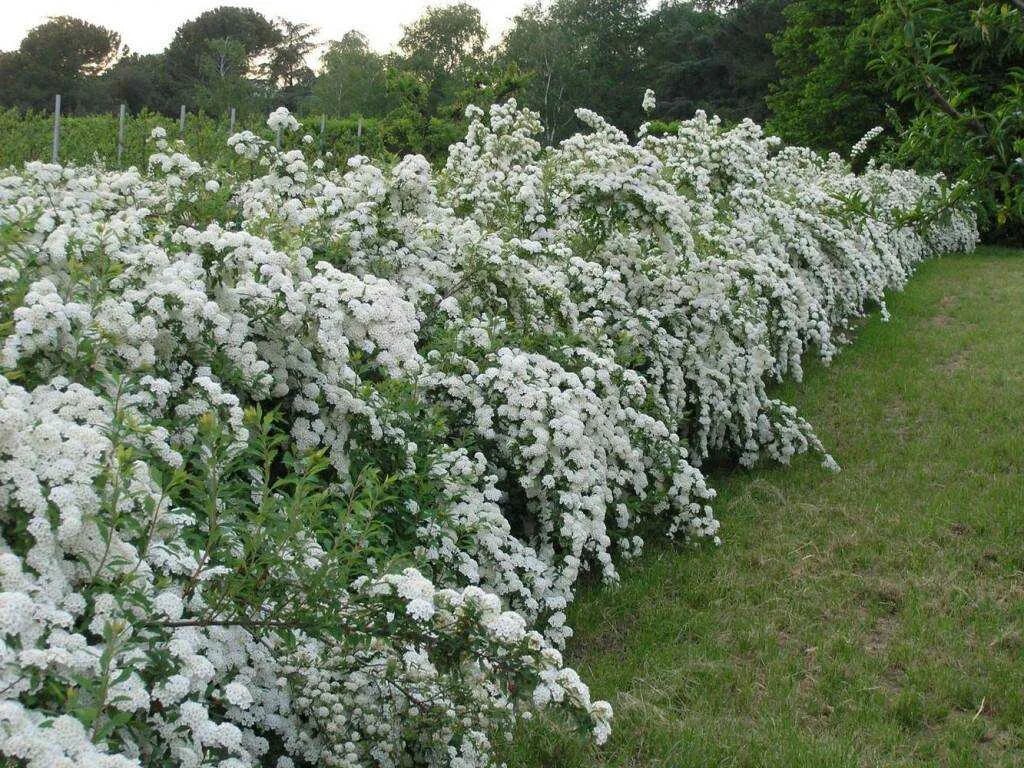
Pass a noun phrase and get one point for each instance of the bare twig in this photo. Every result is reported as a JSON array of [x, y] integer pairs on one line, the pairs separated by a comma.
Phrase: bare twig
[[980, 710]]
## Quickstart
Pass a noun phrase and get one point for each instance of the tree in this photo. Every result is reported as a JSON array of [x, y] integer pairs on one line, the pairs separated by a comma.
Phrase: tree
[[536, 45], [444, 40], [605, 47], [581, 53], [445, 47], [216, 53], [959, 68], [826, 96], [222, 81], [745, 39], [716, 57], [685, 70], [63, 55], [946, 78], [286, 67], [352, 79], [140, 81]]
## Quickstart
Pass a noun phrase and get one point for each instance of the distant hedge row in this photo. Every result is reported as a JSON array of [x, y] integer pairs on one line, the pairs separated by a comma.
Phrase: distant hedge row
[[26, 136]]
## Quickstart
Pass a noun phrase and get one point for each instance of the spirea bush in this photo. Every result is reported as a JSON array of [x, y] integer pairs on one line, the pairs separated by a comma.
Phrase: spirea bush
[[302, 467]]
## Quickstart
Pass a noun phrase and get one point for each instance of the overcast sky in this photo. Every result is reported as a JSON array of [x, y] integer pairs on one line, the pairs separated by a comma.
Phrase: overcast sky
[[146, 26]]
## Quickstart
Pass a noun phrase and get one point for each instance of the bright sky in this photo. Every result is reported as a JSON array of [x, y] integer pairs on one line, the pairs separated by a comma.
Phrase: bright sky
[[146, 26]]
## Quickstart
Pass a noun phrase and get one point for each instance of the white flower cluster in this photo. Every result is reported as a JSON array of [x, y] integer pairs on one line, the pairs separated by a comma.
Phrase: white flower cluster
[[649, 102], [177, 166], [862, 144], [247, 144], [343, 690], [302, 467], [282, 120]]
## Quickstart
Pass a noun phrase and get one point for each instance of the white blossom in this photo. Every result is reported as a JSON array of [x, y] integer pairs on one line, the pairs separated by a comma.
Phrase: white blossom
[[308, 480]]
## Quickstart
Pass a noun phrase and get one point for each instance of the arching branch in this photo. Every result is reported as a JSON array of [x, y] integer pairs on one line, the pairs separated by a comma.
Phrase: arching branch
[[943, 103]]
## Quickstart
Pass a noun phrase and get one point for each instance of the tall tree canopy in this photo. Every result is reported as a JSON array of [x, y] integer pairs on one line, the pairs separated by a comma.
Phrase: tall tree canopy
[[215, 54], [287, 64], [445, 47], [713, 56], [352, 78], [957, 67], [444, 39], [580, 53], [826, 97], [946, 79], [141, 81], [537, 46], [63, 55]]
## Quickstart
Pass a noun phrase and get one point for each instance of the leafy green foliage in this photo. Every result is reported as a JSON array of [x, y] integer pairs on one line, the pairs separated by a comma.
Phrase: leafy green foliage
[[63, 55], [716, 59], [580, 53], [960, 67], [27, 136], [946, 78], [191, 44], [826, 97], [352, 80], [140, 82]]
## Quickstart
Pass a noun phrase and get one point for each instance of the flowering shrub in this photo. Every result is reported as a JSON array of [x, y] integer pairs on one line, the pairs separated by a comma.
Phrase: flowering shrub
[[301, 467]]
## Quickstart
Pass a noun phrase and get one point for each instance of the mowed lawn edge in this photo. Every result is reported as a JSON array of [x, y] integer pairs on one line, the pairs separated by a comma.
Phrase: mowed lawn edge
[[870, 618]]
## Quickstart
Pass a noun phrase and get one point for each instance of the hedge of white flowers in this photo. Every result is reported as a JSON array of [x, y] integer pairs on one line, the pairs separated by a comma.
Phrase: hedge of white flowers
[[301, 467]]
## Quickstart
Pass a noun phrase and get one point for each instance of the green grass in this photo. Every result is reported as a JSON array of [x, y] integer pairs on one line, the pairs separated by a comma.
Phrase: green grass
[[869, 618]]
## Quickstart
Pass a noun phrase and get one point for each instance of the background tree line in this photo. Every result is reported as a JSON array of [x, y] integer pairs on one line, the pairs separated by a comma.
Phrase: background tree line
[[555, 57], [946, 79]]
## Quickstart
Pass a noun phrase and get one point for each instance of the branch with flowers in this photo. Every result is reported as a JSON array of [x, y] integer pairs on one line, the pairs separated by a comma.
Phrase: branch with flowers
[[303, 467]]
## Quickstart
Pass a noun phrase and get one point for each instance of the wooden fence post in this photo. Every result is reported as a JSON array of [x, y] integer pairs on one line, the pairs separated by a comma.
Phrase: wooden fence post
[[120, 136], [55, 154], [231, 123], [181, 121], [323, 128]]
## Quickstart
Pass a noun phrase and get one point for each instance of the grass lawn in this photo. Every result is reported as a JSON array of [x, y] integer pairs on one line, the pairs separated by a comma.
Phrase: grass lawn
[[869, 618]]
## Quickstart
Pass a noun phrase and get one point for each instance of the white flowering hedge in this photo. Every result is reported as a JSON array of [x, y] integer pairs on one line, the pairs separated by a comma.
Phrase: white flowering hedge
[[301, 467]]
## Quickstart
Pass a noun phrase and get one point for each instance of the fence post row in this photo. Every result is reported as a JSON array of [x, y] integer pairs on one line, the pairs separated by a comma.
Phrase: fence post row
[[120, 135], [55, 154], [122, 114]]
